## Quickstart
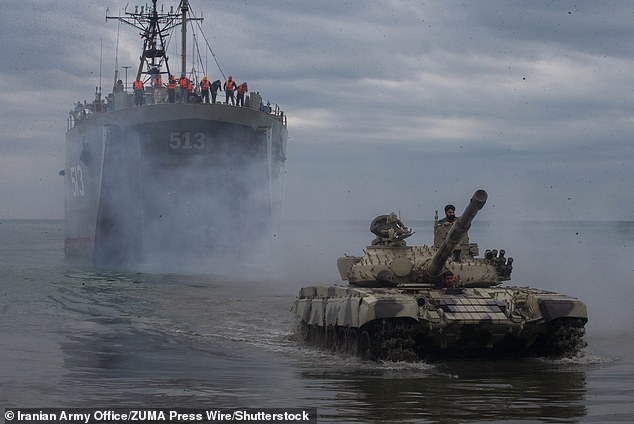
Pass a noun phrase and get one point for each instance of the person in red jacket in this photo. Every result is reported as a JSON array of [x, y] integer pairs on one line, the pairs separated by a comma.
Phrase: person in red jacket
[[171, 89], [230, 86], [190, 90], [157, 88], [182, 83], [204, 89], [138, 92]]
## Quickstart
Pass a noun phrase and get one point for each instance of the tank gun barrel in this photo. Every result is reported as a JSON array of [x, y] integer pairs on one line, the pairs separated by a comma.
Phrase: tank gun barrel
[[457, 232]]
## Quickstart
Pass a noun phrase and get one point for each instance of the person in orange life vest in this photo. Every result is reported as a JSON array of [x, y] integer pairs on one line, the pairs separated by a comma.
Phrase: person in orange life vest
[[138, 92], [230, 86], [190, 89], [157, 88], [171, 89], [204, 89], [215, 86], [182, 83], [242, 89]]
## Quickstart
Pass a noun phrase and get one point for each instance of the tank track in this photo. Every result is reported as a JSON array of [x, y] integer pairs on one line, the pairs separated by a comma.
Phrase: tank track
[[401, 340], [389, 340], [564, 339]]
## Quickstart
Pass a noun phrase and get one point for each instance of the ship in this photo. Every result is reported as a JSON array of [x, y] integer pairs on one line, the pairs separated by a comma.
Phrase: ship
[[172, 182]]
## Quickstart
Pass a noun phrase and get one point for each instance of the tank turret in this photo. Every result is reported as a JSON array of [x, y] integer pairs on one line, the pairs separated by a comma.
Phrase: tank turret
[[389, 261], [401, 304]]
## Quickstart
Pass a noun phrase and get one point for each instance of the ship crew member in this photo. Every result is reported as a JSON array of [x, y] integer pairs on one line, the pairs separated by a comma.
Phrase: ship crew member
[[204, 89], [182, 83], [118, 87], [157, 88], [138, 92], [171, 89], [190, 90], [242, 89], [230, 86], [215, 86]]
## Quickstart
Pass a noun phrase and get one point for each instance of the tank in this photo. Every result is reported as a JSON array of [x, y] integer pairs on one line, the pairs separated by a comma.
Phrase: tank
[[438, 301]]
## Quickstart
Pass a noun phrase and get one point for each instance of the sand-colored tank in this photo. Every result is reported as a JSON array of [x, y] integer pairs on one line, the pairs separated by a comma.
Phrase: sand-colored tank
[[407, 302]]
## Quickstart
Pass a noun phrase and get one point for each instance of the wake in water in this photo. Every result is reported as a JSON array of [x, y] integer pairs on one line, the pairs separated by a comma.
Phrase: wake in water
[[581, 358]]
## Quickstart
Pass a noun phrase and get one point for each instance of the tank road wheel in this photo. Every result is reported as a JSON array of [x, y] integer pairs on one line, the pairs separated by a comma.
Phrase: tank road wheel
[[304, 332], [315, 335], [352, 342], [563, 339], [342, 339], [389, 339], [331, 338], [400, 350], [567, 337], [321, 336], [310, 334], [365, 346]]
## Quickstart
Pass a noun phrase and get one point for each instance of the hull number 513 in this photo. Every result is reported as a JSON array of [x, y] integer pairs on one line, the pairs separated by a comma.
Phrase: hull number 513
[[185, 140]]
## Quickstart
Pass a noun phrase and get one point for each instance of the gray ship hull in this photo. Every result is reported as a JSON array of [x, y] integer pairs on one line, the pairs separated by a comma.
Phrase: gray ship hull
[[171, 184]]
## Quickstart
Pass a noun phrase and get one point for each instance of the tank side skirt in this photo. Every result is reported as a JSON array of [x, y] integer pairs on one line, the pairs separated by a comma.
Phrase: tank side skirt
[[381, 336]]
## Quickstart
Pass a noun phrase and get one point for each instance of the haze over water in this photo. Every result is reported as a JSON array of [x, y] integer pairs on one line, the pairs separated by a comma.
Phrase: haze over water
[[73, 337]]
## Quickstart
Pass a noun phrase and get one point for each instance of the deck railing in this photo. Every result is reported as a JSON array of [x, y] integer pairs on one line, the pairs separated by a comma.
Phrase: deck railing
[[123, 100]]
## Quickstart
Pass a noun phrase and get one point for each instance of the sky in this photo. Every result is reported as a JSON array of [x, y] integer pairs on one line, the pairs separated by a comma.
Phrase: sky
[[392, 105]]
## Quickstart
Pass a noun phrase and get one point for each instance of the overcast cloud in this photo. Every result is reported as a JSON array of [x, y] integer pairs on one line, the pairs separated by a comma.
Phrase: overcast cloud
[[392, 105]]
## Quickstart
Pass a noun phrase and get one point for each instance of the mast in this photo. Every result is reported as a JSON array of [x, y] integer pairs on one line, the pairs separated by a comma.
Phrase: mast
[[154, 28], [184, 10]]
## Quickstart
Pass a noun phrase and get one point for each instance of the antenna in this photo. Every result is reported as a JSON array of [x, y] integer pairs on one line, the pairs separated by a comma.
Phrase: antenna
[[210, 50], [100, 63], [116, 54], [184, 10], [97, 101]]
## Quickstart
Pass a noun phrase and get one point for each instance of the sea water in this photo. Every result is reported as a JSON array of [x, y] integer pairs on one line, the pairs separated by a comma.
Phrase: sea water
[[75, 337]]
